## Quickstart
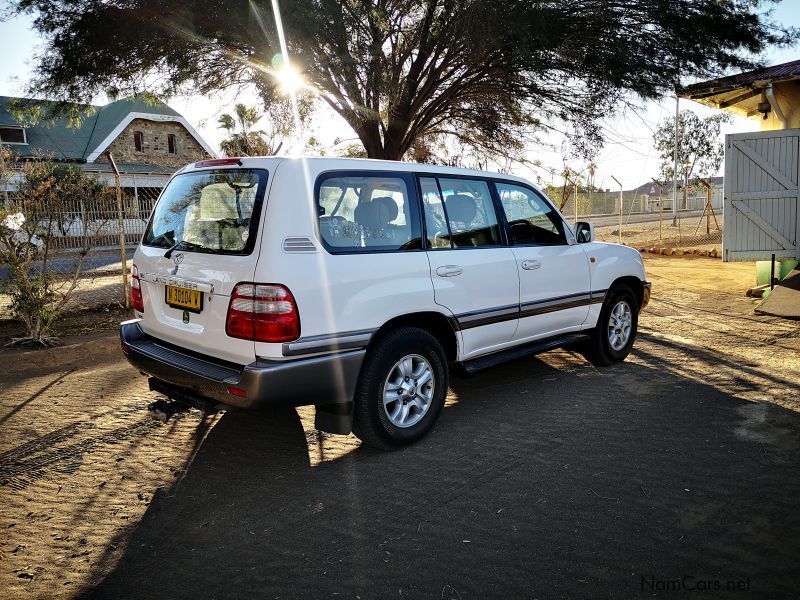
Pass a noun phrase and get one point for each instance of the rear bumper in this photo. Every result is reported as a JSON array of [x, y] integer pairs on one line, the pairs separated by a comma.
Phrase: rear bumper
[[328, 379]]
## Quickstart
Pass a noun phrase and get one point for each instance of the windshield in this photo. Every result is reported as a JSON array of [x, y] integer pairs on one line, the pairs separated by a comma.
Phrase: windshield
[[209, 211]]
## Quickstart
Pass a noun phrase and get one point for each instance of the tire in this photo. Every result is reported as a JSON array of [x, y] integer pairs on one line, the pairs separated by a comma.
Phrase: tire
[[616, 328], [383, 422]]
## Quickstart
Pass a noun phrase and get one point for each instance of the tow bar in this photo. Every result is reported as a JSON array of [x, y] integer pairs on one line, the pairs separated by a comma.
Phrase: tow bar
[[178, 401]]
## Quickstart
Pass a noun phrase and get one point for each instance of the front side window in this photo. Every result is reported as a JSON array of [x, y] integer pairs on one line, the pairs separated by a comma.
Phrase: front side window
[[531, 219], [459, 213], [209, 211], [366, 213]]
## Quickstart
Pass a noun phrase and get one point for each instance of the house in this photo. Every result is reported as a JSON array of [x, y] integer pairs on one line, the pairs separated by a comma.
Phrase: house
[[148, 140], [648, 195], [762, 169], [770, 95]]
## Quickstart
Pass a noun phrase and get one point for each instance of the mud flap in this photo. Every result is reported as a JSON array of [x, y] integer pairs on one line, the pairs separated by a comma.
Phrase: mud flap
[[334, 418]]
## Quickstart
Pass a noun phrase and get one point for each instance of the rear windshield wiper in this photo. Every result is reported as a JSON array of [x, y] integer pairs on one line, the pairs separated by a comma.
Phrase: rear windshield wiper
[[184, 245]]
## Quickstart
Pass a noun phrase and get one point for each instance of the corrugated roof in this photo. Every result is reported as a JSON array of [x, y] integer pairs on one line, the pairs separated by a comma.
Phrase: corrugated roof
[[784, 71], [54, 136]]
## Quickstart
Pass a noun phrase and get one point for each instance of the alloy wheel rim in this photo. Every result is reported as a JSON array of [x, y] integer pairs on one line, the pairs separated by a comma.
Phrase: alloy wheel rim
[[620, 323], [408, 391]]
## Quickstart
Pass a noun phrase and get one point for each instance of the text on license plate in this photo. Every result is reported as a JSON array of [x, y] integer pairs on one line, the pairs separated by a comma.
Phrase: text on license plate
[[183, 298]]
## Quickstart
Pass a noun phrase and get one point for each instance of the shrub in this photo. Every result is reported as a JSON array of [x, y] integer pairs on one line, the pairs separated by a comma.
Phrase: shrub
[[51, 201]]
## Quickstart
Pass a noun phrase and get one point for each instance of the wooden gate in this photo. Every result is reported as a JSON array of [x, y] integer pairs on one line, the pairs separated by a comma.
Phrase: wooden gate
[[761, 192]]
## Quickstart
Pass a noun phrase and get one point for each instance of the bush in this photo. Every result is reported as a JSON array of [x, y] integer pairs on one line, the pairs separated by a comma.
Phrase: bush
[[50, 197]]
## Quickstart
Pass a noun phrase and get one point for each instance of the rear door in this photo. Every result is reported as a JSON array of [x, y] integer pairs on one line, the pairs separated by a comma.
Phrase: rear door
[[554, 279], [474, 273], [199, 243]]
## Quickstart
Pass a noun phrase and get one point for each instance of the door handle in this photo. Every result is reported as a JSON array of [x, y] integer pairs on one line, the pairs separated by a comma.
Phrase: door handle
[[449, 271], [530, 265]]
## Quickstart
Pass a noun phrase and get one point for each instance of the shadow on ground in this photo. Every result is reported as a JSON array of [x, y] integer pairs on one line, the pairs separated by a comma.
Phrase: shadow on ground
[[544, 480]]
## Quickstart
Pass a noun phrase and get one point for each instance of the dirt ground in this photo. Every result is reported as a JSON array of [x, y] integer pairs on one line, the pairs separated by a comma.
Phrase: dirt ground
[[675, 471]]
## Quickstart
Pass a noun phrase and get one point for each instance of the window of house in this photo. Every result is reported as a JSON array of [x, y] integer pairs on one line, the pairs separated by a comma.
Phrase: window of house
[[11, 134], [365, 213], [138, 141], [531, 219], [466, 205], [171, 147]]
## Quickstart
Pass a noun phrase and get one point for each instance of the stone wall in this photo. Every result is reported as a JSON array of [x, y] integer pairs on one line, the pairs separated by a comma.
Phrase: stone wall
[[155, 147]]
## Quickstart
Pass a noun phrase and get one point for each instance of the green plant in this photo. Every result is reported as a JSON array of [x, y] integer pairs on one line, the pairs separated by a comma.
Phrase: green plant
[[51, 200]]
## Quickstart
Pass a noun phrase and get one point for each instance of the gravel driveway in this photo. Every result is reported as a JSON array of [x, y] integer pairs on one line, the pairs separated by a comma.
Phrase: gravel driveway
[[671, 474]]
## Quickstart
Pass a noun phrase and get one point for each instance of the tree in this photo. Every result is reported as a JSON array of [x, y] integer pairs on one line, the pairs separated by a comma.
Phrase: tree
[[245, 142], [700, 151], [278, 122], [487, 74], [51, 199]]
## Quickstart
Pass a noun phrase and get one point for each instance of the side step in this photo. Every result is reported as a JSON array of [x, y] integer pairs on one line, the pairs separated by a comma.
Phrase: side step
[[490, 360]]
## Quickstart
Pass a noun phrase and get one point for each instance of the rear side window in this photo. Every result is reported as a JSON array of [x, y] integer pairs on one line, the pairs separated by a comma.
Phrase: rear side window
[[531, 220], [367, 213], [209, 211]]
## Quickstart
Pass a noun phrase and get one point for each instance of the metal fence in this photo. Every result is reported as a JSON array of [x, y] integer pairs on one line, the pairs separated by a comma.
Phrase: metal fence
[[647, 221], [103, 222]]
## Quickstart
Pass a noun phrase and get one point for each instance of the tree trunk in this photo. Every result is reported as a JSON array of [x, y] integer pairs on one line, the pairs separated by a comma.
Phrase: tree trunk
[[369, 135]]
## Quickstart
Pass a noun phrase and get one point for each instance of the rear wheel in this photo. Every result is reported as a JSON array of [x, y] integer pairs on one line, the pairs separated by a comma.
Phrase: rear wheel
[[401, 389], [616, 328]]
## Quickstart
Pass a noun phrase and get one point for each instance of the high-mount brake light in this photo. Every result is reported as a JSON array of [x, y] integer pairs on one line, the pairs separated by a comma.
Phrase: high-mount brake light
[[219, 162]]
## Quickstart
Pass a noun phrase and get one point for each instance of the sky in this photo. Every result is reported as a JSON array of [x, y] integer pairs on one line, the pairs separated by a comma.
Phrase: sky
[[628, 154]]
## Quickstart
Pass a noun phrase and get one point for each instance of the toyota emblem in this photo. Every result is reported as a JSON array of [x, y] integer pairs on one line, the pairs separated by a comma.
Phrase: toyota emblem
[[177, 259]]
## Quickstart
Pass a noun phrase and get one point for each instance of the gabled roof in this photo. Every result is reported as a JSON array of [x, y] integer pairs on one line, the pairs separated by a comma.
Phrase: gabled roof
[[85, 141]]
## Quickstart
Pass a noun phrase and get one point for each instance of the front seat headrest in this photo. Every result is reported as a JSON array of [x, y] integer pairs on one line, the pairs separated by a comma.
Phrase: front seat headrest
[[461, 208]]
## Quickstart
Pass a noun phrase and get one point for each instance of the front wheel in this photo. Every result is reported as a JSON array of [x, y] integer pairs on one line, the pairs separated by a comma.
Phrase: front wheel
[[401, 389], [616, 327]]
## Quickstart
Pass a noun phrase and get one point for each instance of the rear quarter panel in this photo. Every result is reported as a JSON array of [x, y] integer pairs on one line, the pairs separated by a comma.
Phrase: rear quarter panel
[[334, 293]]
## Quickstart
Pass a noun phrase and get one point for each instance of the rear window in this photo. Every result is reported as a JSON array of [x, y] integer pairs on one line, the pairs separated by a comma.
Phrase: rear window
[[209, 211]]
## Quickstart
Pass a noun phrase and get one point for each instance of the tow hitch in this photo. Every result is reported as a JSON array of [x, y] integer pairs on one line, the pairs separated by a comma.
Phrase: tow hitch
[[178, 400]]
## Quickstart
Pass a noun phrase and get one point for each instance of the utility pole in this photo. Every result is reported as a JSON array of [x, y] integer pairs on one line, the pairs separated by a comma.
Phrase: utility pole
[[675, 166]]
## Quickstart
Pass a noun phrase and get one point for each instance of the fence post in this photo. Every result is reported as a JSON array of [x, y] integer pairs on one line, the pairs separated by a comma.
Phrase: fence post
[[576, 200], [122, 241], [620, 207], [3, 174]]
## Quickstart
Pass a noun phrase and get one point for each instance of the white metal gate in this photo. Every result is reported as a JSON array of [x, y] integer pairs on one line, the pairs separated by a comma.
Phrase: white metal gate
[[761, 190]]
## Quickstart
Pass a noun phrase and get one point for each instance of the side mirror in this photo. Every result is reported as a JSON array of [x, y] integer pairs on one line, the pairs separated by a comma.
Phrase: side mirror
[[584, 232]]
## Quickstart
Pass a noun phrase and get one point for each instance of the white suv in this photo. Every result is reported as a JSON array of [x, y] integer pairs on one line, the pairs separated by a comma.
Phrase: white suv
[[355, 285]]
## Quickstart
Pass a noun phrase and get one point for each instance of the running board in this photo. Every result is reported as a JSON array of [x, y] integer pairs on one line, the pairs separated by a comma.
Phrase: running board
[[490, 360]]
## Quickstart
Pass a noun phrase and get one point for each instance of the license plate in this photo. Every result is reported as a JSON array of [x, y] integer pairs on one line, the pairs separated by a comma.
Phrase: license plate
[[183, 298]]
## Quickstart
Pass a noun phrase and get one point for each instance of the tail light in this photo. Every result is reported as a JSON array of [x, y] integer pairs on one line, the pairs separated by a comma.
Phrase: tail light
[[137, 302], [262, 312]]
